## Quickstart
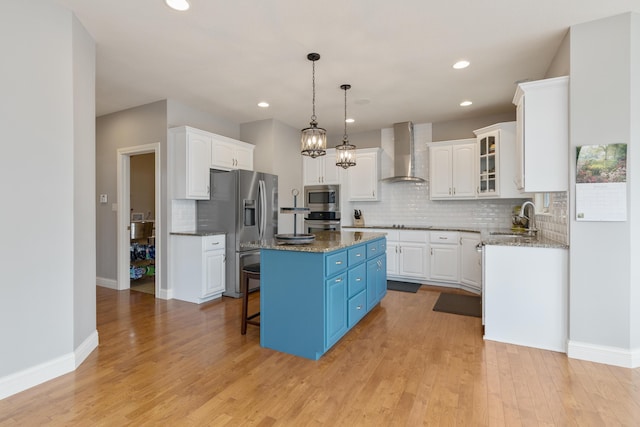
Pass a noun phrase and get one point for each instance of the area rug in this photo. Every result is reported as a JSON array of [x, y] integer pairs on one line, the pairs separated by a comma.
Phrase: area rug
[[466, 305], [392, 285]]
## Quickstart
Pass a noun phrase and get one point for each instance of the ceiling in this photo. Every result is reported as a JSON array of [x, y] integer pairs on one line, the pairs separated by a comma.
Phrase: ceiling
[[225, 56]]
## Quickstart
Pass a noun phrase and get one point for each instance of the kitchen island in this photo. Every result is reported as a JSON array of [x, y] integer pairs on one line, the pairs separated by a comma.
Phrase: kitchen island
[[311, 295]]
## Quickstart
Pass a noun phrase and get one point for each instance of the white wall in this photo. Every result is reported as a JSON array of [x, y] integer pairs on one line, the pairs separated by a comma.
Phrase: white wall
[[47, 255], [604, 94]]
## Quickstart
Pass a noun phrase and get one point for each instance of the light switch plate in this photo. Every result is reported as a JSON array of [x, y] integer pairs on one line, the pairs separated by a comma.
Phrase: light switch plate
[[103, 198]]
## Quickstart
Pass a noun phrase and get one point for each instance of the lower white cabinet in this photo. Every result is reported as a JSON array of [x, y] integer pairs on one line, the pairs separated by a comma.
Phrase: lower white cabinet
[[470, 261], [198, 267], [407, 254], [443, 256]]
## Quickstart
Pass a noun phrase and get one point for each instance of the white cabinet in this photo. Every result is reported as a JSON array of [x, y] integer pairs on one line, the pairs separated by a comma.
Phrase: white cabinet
[[526, 296], [321, 170], [542, 135], [228, 154], [443, 255], [497, 163], [407, 254], [470, 261], [190, 150], [452, 170], [363, 179], [198, 267]]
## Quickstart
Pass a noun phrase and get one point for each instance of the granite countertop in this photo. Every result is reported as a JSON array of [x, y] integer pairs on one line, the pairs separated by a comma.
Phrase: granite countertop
[[417, 227], [197, 233], [325, 241]]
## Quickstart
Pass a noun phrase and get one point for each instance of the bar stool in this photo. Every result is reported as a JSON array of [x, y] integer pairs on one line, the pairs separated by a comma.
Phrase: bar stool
[[251, 271]]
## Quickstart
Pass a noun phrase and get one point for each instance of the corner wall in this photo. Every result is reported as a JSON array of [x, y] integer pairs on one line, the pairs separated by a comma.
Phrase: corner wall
[[604, 300]]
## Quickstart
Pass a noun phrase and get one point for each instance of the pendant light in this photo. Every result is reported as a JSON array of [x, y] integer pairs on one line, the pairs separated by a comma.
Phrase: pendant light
[[345, 152], [314, 139]]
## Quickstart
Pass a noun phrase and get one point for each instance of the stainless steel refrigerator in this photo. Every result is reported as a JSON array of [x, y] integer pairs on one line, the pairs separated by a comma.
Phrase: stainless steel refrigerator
[[244, 204]]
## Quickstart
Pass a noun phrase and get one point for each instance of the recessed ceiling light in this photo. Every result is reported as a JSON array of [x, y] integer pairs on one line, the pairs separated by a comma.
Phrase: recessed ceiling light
[[465, 103], [349, 120], [263, 104], [461, 64], [180, 5]]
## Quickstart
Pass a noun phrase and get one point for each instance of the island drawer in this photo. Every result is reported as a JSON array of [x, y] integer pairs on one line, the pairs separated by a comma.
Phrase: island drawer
[[357, 279], [357, 308], [336, 262], [357, 254], [376, 248]]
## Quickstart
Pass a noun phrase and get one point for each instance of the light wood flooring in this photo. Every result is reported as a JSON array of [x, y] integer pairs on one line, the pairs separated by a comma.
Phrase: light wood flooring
[[174, 363]]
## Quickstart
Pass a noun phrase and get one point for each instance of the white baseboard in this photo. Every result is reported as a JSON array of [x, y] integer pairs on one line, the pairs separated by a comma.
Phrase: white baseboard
[[107, 283], [31, 377], [604, 354], [165, 294]]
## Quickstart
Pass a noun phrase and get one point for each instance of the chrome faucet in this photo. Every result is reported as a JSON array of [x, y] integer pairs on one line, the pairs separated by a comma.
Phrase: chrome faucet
[[532, 215]]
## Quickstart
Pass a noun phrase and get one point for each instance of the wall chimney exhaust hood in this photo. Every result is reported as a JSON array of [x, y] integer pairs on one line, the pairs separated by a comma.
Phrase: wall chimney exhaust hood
[[404, 156]]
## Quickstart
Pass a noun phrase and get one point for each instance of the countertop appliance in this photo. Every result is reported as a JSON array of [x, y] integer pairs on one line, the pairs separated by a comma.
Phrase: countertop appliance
[[243, 204]]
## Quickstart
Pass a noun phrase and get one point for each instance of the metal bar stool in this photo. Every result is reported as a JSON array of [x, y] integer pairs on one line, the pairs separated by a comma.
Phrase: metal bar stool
[[251, 271]]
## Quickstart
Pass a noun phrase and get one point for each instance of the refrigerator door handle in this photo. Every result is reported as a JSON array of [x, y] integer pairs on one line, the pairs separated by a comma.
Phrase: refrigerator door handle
[[262, 221]]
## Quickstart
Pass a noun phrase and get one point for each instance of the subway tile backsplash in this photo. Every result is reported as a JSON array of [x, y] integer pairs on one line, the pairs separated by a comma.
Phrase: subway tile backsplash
[[409, 204], [553, 224], [183, 215]]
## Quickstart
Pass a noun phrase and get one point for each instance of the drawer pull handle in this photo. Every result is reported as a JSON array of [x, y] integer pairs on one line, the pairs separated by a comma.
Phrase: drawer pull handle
[[358, 279], [339, 279], [442, 238], [215, 243], [373, 249], [358, 254], [359, 307], [338, 262]]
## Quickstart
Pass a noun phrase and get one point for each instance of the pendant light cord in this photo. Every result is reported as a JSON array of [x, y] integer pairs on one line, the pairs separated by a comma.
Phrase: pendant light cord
[[313, 85]]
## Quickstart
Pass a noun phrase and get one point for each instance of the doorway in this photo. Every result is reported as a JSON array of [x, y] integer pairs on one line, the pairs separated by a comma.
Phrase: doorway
[[139, 225]]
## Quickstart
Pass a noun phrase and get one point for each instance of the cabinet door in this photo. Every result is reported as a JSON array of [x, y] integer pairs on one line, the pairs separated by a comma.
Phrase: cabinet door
[[470, 261], [392, 258], [463, 171], [444, 262], [214, 265], [331, 172], [381, 277], [440, 173], [244, 158], [336, 314], [413, 260], [364, 177], [488, 164], [198, 152], [222, 155], [312, 170]]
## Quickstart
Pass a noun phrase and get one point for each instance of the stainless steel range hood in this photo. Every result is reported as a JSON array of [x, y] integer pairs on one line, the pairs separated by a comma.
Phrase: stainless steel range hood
[[404, 155]]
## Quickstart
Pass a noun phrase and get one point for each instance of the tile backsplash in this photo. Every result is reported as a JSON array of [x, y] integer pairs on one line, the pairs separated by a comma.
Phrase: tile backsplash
[[183, 215], [553, 224]]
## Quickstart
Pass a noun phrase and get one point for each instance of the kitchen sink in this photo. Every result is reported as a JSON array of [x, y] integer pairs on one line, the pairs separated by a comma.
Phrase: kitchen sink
[[515, 236]]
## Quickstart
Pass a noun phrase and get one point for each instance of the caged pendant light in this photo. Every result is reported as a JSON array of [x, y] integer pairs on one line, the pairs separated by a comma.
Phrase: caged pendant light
[[345, 152], [314, 139]]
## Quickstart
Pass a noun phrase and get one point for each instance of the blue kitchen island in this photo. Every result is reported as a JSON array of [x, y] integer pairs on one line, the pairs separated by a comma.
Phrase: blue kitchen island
[[312, 294]]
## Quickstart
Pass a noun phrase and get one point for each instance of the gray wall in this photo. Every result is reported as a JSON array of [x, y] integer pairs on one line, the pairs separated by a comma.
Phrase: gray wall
[[461, 129], [142, 185], [47, 255], [136, 126], [561, 62], [278, 152], [604, 270]]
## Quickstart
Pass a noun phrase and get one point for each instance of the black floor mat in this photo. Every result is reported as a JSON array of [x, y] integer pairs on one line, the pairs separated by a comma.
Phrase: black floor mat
[[467, 305], [392, 285]]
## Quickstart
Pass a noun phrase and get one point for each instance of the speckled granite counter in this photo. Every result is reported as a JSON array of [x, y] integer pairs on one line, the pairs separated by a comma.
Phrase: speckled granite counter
[[414, 227], [197, 233], [326, 241], [538, 242]]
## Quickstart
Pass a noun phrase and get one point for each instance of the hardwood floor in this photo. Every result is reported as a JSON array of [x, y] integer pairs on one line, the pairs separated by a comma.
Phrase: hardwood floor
[[176, 363]]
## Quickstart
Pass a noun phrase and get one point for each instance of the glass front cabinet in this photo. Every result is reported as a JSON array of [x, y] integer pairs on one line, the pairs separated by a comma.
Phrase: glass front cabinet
[[488, 157]]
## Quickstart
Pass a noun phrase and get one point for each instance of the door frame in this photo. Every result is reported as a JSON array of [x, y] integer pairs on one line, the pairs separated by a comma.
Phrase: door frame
[[124, 207]]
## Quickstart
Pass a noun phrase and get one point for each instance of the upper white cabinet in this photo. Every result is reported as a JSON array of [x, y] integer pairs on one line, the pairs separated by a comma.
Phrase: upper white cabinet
[[228, 154], [452, 170], [190, 151], [542, 135], [497, 165], [321, 170], [363, 179]]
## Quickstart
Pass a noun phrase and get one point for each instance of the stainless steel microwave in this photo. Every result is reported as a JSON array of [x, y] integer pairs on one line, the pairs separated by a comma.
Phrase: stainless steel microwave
[[324, 198]]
